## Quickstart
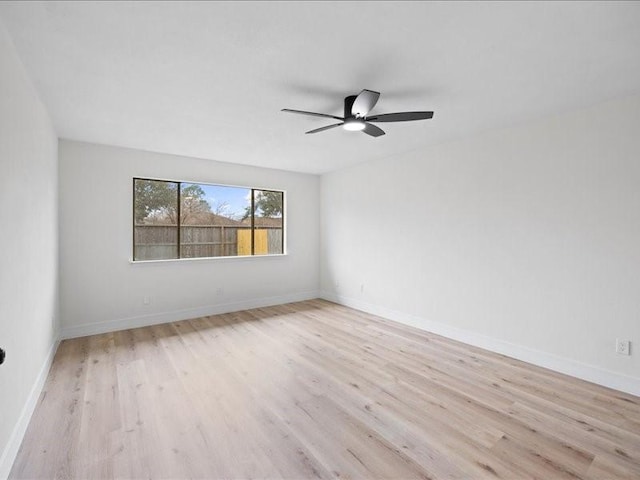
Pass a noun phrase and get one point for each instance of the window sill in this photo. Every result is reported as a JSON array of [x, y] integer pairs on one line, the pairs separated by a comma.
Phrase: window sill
[[205, 259]]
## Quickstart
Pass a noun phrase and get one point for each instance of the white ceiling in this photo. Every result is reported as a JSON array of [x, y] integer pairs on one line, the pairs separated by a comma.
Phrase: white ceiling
[[208, 79]]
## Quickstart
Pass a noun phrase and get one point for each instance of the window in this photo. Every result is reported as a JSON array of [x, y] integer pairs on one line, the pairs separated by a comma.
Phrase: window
[[194, 220]]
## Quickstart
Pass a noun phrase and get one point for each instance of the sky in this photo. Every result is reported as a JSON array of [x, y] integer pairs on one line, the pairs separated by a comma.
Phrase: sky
[[238, 198]]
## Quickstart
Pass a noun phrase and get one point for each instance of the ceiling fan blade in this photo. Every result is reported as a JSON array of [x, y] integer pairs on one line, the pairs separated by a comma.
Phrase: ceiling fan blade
[[364, 102], [322, 129], [313, 114], [400, 117], [372, 130]]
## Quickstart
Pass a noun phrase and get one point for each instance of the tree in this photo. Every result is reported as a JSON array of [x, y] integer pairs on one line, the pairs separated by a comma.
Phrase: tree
[[267, 204], [157, 202], [154, 199], [194, 206]]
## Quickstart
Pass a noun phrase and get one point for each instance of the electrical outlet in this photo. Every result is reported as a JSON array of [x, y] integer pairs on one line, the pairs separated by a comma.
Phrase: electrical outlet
[[146, 300], [219, 291], [362, 288], [623, 347]]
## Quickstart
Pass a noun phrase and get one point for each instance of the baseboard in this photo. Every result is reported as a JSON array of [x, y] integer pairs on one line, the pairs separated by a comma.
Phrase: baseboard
[[556, 363], [174, 316], [13, 445]]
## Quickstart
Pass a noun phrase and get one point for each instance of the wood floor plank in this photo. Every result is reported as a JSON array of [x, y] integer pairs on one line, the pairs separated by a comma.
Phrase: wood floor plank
[[317, 390]]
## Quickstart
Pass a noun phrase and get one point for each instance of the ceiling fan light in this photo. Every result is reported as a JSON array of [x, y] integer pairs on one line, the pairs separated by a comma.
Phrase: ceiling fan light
[[354, 125]]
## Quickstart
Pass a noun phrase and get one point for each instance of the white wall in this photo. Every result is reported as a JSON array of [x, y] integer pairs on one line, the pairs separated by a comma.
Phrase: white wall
[[28, 248], [524, 240], [102, 290]]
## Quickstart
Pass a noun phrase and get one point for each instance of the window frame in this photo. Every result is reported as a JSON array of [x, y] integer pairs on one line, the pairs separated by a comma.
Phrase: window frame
[[179, 184]]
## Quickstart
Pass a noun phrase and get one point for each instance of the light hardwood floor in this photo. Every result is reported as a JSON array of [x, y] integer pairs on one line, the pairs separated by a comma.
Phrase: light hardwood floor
[[317, 390]]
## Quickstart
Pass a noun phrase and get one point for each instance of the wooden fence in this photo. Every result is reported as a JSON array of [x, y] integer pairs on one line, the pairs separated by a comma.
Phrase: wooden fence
[[153, 242]]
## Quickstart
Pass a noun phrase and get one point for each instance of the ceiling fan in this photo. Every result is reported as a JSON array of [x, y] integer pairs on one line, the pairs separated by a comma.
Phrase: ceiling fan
[[356, 109]]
